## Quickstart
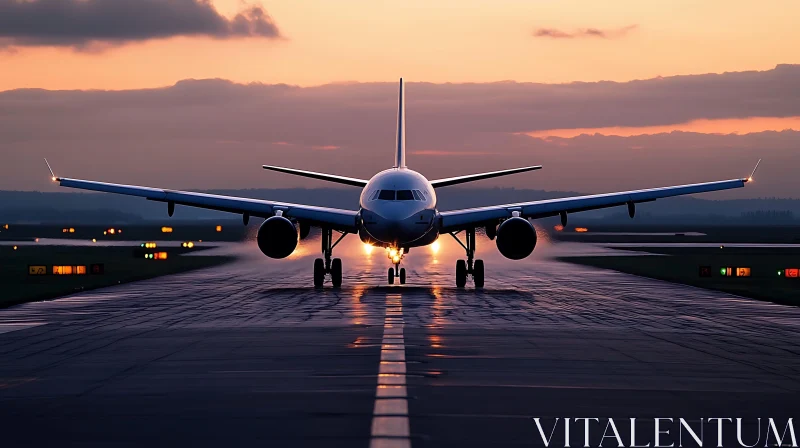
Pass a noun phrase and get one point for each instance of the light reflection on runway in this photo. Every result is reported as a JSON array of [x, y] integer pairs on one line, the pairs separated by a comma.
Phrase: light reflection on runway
[[253, 347]]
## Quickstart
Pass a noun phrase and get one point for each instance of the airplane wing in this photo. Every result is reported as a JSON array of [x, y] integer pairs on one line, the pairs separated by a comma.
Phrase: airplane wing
[[473, 177], [321, 176], [474, 217], [344, 220]]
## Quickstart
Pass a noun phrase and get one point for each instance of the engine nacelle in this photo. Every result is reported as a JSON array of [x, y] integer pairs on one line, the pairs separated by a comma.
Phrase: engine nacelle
[[516, 238], [491, 230], [277, 237], [305, 229]]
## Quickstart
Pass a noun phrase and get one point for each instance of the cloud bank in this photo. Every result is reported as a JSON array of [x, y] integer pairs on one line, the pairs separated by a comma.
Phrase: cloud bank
[[87, 24], [555, 33], [217, 134]]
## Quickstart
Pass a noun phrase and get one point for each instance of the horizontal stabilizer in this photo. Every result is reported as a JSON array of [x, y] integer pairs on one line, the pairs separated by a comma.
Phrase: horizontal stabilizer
[[480, 176], [321, 176]]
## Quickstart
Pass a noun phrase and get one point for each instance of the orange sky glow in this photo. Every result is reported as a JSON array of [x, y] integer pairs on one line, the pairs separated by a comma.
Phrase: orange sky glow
[[442, 41], [703, 126]]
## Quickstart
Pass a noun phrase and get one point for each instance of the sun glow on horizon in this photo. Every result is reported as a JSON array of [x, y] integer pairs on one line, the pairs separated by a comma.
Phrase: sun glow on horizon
[[736, 126]]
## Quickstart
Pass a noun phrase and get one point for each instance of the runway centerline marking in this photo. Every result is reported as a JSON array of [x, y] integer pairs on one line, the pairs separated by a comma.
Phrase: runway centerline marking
[[390, 427]]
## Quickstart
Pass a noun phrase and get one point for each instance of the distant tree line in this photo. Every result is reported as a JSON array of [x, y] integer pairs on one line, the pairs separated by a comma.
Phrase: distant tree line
[[768, 216]]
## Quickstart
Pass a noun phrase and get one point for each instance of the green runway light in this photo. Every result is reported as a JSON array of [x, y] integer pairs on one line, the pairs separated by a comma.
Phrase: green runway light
[[780, 273], [723, 271]]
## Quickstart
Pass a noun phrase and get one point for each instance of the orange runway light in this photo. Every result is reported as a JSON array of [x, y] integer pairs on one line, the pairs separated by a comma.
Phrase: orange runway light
[[160, 256], [166, 230], [37, 270], [559, 228], [5, 226], [219, 228], [15, 247], [743, 272], [69, 270], [581, 229]]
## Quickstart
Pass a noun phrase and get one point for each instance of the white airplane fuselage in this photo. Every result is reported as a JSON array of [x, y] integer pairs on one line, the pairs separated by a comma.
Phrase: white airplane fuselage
[[398, 209]]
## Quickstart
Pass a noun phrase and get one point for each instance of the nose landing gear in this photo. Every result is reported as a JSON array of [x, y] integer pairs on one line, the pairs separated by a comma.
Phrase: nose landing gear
[[396, 255], [328, 265], [465, 268]]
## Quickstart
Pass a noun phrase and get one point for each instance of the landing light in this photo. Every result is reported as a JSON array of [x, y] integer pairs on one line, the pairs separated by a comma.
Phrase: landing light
[[392, 253], [396, 259], [368, 248], [435, 246]]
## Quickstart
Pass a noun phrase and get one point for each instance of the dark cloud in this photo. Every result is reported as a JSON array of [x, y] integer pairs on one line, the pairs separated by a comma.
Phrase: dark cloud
[[217, 134], [89, 24], [554, 33]]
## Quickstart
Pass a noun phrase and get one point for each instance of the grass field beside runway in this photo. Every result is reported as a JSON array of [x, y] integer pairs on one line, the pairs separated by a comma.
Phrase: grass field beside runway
[[681, 265], [120, 266]]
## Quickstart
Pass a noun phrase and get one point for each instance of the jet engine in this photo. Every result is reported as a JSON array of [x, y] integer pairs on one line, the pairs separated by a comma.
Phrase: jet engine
[[305, 229], [516, 238], [277, 237]]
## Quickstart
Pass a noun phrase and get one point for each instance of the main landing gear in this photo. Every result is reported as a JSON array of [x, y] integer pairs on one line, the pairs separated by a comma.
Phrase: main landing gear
[[328, 265], [396, 255], [465, 268]]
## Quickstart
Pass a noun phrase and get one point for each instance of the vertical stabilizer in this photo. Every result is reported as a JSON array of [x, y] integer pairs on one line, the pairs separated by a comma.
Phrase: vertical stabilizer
[[400, 155]]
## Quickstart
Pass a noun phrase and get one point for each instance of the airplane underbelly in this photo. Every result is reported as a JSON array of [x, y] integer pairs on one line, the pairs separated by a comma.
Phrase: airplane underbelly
[[416, 230]]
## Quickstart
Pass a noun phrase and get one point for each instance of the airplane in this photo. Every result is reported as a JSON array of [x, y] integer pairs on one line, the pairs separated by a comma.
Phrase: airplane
[[398, 211]]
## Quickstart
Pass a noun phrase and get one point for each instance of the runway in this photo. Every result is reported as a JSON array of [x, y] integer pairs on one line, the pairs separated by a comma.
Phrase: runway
[[250, 354]]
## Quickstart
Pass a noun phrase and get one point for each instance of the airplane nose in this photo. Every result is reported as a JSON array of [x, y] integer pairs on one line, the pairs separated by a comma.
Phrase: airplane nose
[[397, 226]]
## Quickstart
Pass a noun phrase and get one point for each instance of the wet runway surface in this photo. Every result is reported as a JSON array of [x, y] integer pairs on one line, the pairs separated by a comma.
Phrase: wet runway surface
[[250, 354]]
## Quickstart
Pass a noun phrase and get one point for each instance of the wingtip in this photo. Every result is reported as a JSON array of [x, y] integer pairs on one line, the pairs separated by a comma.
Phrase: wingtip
[[52, 174], [752, 175]]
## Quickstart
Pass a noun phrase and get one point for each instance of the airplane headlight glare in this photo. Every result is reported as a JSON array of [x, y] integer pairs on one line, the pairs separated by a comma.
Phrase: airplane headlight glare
[[435, 247], [368, 248]]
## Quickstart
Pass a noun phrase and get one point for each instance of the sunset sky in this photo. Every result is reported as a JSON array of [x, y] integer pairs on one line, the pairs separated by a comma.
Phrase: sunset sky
[[145, 47], [322, 41]]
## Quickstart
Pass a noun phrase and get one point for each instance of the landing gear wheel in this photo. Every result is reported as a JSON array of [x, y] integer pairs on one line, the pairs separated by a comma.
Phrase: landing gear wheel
[[477, 273], [402, 276], [336, 272], [319, 272], [391, 276], [461, 273]]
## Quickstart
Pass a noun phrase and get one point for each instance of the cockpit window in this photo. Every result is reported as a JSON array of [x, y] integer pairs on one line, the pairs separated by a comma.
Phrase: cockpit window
[[386, 195], [405, 195], [375, 195], [417, 195]]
